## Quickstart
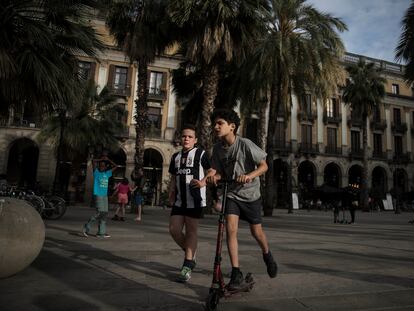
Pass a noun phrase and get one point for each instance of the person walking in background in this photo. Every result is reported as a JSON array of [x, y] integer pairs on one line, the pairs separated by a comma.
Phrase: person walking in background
[[122, 189], [187, 194], [240, 159], [101, 177], [138, 197]]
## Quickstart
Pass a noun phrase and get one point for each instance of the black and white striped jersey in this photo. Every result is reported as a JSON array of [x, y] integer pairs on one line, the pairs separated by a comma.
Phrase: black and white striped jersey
[[186, 166]]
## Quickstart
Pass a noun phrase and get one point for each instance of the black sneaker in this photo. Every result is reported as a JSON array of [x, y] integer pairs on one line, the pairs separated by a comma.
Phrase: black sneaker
[[236, 280], [270, 264], [115, 217]]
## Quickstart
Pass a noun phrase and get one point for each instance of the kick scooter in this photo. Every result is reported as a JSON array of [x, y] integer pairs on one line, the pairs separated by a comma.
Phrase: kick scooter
[[218, 288]]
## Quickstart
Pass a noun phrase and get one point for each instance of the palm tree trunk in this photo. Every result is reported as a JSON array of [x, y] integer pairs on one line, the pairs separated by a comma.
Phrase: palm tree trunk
[[364, 185], [210, 85], [141, 116], [57, 183]]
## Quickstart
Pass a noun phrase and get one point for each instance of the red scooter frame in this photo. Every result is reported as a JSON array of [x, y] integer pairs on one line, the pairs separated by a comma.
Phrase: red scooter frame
[[218, 288]]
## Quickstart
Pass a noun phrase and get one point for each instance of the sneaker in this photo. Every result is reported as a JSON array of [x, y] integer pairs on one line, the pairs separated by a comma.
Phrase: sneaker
[[104, 236], [236, 280], [85, 232], [122, 219], [115, 217], [270, 264], [185, 274]]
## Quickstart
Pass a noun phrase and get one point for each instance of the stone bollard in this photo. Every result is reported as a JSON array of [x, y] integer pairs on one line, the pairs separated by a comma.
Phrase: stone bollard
[[22, 234]]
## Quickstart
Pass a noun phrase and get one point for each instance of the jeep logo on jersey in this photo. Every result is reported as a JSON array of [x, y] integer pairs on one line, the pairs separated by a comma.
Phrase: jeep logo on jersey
[[184, 171]]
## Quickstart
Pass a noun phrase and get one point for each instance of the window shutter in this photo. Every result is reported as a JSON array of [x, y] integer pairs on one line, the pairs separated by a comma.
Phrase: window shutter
[[164, 81], [129, 75], [110, 82], [92, 71]]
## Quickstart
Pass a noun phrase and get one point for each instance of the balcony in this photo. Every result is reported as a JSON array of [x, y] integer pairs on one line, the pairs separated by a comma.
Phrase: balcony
[[378, 125], [20, 123], [334, 150], [401, 158], [306, 117], [336, 119], [122, 90], [356, 154], [307, 148], [355, 122], [153, 132], [379, 155], [157, 93], [282, 147], [399, 127]]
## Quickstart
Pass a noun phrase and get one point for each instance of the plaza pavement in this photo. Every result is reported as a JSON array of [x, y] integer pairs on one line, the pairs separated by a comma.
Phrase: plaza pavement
[[322, 266]]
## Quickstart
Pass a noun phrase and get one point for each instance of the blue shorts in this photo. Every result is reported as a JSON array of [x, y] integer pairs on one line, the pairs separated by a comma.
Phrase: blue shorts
[[138, 199]]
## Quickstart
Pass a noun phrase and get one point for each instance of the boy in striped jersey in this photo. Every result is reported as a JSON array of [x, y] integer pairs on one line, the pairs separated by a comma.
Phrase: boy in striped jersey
[[189, 169]]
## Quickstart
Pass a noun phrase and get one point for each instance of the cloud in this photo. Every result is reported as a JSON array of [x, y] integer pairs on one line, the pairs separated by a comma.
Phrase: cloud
[[374, 26]]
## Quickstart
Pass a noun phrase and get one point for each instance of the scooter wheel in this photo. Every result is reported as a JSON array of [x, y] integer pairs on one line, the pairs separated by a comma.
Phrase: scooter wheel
[[212, 300]]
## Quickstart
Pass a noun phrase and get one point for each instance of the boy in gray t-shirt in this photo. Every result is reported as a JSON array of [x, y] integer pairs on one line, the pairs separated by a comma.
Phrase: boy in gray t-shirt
[[237, 158]]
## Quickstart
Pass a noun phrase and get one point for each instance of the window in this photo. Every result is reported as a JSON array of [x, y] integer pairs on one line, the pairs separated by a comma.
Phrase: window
[[307, 104], [84, 70], [332, 108], [397, 116], [395, 89], [376, 114], [155, 83], [377, 144], [120, 80], [355, 141], [307, 134], [332, 139], [398, 145]]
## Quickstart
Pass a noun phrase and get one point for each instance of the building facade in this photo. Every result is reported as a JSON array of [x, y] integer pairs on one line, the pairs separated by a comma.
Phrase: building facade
[[321, 144]]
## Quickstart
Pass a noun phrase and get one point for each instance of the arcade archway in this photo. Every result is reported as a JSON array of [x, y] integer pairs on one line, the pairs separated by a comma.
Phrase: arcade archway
[[332, 175], [22, 163], [355, 175], [153, 162], [281, 182], [379, 183], [307, 175]]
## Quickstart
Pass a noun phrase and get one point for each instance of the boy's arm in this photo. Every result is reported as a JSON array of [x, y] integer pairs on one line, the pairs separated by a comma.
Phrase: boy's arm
[[114, 165], [202, 183], [94, 163], [260, 170]]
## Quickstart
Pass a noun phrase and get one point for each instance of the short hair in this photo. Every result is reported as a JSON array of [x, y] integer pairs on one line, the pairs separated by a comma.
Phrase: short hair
[[227, 114], [189, 127]]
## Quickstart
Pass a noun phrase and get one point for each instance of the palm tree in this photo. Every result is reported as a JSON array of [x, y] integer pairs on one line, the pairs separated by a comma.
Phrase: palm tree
[[405, 48], [213, 33], [300, 53], [38, 44], [364, 91], [92, 122], [142, 29]]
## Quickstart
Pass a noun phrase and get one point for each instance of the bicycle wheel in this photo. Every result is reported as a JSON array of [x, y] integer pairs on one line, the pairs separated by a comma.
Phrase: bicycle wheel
[[56, 207], [36, 202]]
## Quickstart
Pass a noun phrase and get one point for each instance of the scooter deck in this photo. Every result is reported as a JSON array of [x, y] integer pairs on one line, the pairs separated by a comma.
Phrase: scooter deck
[[248, 286]]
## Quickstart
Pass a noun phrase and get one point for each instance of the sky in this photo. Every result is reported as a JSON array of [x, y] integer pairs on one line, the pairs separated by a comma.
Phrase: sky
[[374, 26]]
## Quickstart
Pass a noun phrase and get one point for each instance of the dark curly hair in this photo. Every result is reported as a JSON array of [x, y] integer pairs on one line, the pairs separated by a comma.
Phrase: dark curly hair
[[229, 115]]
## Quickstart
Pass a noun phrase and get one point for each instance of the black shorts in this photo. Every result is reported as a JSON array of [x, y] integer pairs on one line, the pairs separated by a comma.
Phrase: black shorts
[[189, 212], [249, 211]]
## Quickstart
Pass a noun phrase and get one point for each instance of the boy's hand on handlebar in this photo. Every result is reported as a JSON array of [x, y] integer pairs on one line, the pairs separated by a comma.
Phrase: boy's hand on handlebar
[[197, 183], [212, 180], [244, 179]]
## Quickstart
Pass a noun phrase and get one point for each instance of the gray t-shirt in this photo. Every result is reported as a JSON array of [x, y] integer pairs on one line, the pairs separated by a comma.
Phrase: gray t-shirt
[[241, 158]]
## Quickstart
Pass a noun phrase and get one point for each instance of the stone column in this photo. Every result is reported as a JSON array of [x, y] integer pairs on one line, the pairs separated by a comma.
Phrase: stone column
[[319, 125], [388, 132], [344, 126], [294, 124]]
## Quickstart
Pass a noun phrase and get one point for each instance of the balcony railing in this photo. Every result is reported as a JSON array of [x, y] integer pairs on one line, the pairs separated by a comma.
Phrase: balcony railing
[[401, 158], [378, 125], [153, 132], [355, 122], [399, 127], [282, 146], [333, 150], [156, 93], [380, 155], [335, 119], [356, 154], [123, 133], [121, 90], [20, 123], [305, 116], [307, 148]]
